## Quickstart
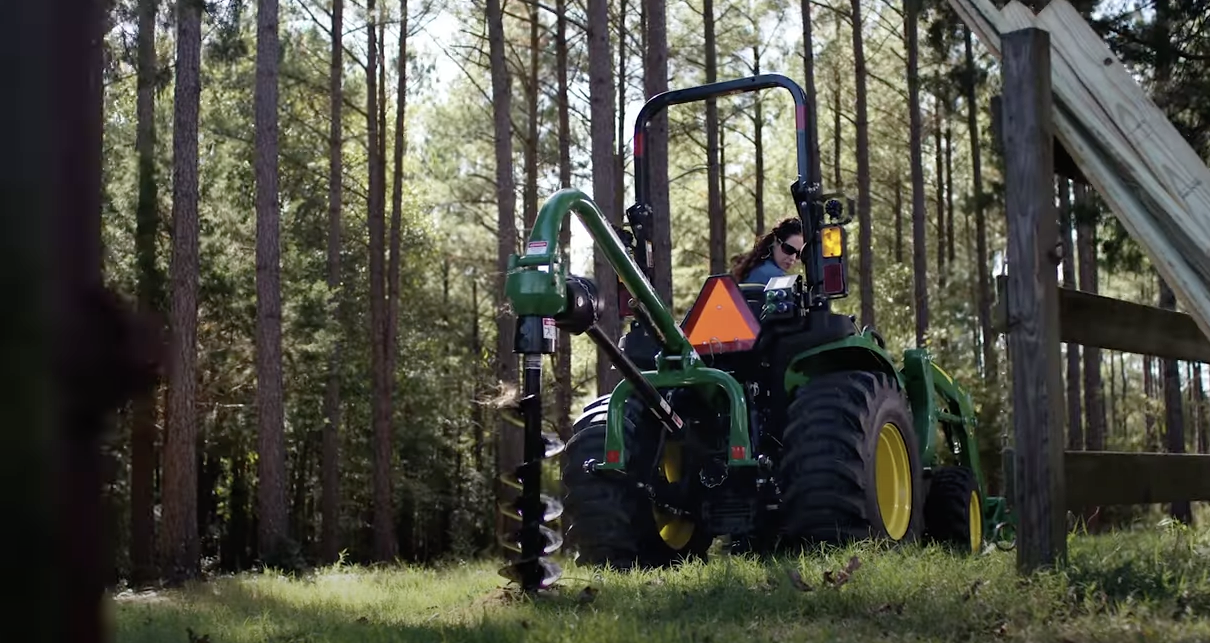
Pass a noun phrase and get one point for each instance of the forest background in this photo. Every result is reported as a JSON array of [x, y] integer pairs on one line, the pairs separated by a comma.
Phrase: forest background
[[321, 225]]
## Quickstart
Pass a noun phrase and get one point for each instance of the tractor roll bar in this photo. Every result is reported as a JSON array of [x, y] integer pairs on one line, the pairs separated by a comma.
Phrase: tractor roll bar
[[639, 214]]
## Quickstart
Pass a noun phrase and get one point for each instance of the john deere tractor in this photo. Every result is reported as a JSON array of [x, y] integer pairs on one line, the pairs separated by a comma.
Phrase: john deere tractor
[[761, 416]]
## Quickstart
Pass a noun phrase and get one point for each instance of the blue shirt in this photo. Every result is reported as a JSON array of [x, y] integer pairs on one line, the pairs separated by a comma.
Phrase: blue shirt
[[762, 273]]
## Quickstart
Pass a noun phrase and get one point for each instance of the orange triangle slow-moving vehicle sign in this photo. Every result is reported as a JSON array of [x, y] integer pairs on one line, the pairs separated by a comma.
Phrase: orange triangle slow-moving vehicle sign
[[720, 320]]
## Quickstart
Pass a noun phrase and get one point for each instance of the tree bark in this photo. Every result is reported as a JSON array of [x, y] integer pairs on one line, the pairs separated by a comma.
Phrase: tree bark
[[919, 216], [330, 503], [865, 234], [600, 96], [1075, 428], [1094, 403], [619, 167], [949, 185], [564, 392], [271, 450], [508, 452], [898, 217], [655, 81], [151, 298], [939, 161], [529, 205], [808, 64], [716, 217], [393, 242], [1152, 441], [383, 518], [990, 366], [758, 142], [179, 545], [1174, 413], [1200, 419], [837, 127]]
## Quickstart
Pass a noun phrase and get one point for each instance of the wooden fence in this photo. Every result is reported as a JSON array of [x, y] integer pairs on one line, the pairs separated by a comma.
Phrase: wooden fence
[[1037, 316]]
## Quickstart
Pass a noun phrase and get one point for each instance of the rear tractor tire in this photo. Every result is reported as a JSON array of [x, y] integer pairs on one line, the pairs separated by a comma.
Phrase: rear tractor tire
[[953, 512], [850, 469], [613, 524]]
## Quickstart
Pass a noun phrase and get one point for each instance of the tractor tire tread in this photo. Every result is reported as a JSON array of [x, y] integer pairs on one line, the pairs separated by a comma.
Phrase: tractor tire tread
[[947, 508], [823, 470]]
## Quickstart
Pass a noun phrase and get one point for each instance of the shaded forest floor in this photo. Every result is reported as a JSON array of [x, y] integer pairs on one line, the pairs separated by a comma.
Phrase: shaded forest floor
[[1132, 586]]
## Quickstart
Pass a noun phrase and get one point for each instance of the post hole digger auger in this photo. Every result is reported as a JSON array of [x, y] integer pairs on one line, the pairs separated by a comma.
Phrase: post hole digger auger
[[763, 416]]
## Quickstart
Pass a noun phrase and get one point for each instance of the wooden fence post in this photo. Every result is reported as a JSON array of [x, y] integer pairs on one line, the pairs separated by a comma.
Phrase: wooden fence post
[[1033, 311]]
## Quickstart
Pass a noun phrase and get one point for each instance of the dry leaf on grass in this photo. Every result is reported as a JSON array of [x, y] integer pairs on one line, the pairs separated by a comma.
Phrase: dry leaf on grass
[[797, 581], [970, 593], [896, 608], [836, 579]]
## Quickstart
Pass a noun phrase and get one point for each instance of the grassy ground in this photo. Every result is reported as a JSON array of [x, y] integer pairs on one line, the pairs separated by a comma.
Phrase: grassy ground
[[1140, 586]]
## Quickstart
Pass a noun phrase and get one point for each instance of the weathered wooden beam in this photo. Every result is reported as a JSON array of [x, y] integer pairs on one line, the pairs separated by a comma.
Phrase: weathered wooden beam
[[1136, 133], [1110, 138], [1114, 324], [1101, 478], [1065, 164], [1033, 347]]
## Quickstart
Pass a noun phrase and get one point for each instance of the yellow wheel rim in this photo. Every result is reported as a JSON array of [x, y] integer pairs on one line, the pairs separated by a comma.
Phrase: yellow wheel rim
[[675, 531], [976, 522], [893, 481]]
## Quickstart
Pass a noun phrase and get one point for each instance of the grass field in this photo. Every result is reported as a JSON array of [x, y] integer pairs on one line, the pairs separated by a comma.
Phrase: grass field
[[1136, 586]]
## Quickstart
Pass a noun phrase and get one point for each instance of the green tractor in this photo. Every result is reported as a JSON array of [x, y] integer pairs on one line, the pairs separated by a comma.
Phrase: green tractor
[[762, 416]]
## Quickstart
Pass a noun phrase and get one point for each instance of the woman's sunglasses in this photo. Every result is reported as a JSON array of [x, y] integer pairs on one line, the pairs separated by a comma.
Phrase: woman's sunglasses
[[788, 249]]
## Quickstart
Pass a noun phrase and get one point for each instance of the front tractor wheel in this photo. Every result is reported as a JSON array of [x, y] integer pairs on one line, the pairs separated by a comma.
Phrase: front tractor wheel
[[850, 469], [611, 523], [953, 512]]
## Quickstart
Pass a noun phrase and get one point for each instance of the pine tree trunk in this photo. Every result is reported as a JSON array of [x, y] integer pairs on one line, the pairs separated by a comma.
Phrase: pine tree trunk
[[271, 449], [808, 63], [601, 108], [529, 205], [563, 392], [655, 81], [179, 545], [898, 217], [939, 165], [619, 161], [990, 366], [1094, 404], [151, 297], [718, 224], [722, 172], [949, 186], [393, 242], [383, 517], [1152, 441], [758, 142], [508, 452], [1174, 414], [837, 127], [330, 504], [1075, 428], [1201, 420], [919, 216], [865, 232]]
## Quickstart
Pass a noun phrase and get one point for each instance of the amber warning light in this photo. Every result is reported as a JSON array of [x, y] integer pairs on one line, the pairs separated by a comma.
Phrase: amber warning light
[[720, 320]]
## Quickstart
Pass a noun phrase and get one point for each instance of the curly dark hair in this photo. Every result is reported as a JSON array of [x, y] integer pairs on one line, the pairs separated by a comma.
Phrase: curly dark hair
[[743, 264]]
